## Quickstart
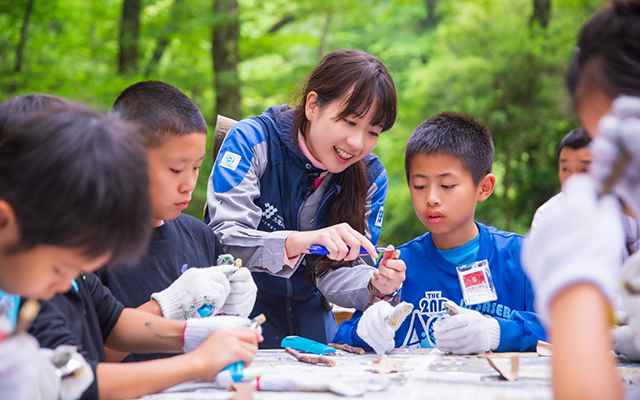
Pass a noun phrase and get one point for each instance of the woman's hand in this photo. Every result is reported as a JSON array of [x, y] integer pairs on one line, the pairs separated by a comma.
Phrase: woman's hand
[[390, 273], [335, 238]]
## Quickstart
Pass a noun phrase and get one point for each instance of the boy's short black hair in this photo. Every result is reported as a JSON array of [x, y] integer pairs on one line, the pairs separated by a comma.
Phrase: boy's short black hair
[[455, 135], [77, 179], [160, 110], [575, 139], [17, 109]]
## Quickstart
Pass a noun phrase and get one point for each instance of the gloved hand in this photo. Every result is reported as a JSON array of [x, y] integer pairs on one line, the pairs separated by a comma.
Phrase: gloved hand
[[198, 330], [580, 241], [466, 332], [195, 288], [25, 373], [75, 373], [242, 295], [374, 329], [631, 294], [620, 129], [624, 342]]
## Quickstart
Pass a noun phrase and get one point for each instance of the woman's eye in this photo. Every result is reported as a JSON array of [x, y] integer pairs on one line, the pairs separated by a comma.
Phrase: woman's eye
[[419, 187], [447, 186], [351, 123], [374, 134], [175, 171]]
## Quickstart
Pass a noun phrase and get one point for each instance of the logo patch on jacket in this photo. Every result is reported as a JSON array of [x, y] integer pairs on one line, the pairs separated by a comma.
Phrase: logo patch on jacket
[[378, 222], [230, 160], [270, 217]]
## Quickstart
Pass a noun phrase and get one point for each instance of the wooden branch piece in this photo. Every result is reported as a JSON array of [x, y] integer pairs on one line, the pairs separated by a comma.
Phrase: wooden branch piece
[[346, 347], [309, 359]]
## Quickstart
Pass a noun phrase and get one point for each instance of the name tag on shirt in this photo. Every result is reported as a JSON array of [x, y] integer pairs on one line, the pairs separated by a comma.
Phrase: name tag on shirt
[[476, 283]]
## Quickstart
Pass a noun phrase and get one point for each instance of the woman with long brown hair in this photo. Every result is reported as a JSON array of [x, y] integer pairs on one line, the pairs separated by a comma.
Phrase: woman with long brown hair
[[296, 177]]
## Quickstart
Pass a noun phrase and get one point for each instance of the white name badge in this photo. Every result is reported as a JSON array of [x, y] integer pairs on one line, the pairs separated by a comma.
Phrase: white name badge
[[476, 283]]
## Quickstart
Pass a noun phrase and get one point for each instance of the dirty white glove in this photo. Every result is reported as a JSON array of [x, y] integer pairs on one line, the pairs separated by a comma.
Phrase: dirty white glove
[[631, 294], [242, 295], [620, 130], [624, 342], [195, 288], [25, 372], [374, 329], [199, 329], [580, 241], [466, 332], [75, 371]]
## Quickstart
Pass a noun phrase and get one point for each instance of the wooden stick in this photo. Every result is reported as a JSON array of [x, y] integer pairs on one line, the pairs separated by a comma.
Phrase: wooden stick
[[310, 359], [346, 347]]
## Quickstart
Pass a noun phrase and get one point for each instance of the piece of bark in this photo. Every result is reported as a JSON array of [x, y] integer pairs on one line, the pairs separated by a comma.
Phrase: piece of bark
[[346, 347], [310, 359], [507, 371], [383, 365], [544, 349]]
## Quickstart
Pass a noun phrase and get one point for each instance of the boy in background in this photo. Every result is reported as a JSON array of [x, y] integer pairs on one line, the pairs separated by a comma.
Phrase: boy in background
[[448, 166], [173, 272], [73, 196]]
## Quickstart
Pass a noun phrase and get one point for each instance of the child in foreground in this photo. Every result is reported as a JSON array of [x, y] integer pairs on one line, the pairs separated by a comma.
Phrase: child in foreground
[[573, 259], [448, 166], [175, 273], [73, 197]]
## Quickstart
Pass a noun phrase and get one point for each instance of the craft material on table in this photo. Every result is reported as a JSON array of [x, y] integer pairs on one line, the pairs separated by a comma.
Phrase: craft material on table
[[384, 365], [375, 292], [436, 376], [310, 359], [307, 345], [346, 347], [320, 250]]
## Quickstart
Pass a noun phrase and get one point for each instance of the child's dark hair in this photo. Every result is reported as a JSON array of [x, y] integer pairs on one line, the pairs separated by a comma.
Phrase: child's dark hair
[[455, 135], [367, 83], [576, 139], [19, 108], [160, 110], [607, 55], [77, 179]]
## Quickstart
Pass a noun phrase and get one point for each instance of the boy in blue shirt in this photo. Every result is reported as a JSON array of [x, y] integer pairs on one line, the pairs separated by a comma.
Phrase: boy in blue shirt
[[448, 167]]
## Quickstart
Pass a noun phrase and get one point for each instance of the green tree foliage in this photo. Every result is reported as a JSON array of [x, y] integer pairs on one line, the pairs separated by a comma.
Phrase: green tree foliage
[[486, 58]]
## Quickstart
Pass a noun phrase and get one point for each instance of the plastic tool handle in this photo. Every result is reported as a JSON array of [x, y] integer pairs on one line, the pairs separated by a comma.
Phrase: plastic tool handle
[[320, 250]]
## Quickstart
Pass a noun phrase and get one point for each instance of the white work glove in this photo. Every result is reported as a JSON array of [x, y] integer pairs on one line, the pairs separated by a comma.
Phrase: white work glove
[[374, 329], [242, 295], [195, 288], [466, 332], [72, 368], [631, 294], [580, 241], [25, 372], [199, 329], [624, 342], [620, 130]]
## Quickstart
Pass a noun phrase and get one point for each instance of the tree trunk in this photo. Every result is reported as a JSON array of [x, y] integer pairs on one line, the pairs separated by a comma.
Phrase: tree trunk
[[23, 36], [432, 19], [129, 32], [226, 32], [325, 32], [541, 13], [163, 40]]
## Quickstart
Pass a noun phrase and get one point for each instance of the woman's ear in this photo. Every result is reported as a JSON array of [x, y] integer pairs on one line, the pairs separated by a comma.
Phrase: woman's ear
[[485, 186], [9, 232], [311, 105]]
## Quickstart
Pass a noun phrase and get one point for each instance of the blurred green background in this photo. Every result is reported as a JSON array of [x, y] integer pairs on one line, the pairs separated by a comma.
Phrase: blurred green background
[[501, 61]]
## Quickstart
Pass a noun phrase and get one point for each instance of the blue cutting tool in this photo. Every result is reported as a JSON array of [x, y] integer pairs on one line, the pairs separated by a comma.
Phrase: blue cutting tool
[[308, 345], [320, 250]]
